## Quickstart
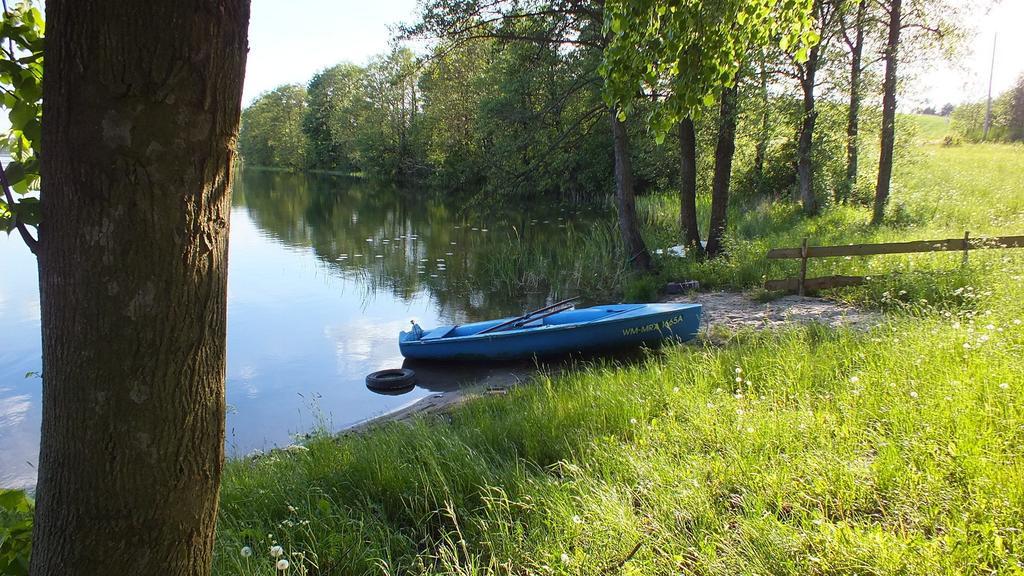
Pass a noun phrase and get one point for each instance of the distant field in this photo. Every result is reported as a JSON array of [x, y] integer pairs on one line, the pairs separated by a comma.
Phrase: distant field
[[931, 129]]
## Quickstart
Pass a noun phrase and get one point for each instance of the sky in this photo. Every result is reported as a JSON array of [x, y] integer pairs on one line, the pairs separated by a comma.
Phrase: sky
[[968, 80], [291, 41]]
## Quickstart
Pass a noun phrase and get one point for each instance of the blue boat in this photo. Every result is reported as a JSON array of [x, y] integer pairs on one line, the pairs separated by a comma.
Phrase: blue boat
[[548, 332]]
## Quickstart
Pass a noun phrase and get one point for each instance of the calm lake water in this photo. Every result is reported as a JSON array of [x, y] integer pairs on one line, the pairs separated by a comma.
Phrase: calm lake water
[[324, 272]]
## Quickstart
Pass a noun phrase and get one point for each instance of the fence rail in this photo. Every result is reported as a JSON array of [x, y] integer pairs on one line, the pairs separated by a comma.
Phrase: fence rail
[[801, 284]]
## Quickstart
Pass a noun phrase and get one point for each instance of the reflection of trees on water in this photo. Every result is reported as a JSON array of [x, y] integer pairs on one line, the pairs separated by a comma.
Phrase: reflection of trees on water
[[399, 242]]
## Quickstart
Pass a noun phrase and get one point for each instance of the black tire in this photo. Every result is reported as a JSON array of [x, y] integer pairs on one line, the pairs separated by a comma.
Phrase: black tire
[[392, 379]]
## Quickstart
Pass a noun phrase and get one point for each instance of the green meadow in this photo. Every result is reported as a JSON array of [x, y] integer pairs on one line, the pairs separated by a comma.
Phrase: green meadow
[[893, 450]]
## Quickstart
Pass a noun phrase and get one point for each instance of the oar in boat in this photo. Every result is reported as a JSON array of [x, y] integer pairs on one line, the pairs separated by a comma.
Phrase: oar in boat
[[529, 315]]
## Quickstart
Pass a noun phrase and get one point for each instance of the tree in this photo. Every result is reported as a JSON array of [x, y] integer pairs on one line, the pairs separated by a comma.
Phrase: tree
[[827, 22], [688, 187], [21, 75], [682, 56], [572, 28], [453, 85], [142, 103], [853, 36], [724, 150], [389, 138], [969, 119], [1016, 113], [918, 27], [888, 111], [272, 133], [336, 105]]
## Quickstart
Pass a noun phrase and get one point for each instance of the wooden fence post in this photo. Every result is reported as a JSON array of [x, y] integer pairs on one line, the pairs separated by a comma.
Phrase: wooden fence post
[[967, 245], [803, 268]]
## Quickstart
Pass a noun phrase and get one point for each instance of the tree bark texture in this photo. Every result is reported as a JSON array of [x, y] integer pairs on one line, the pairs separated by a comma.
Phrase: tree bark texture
[[725, 148], [853, 119], [888, 113], [625, 197], [139, 128], [688, 187], [804, 161]]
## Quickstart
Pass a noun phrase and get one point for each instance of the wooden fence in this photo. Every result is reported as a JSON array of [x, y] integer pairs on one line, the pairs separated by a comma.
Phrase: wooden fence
[[802, 284]]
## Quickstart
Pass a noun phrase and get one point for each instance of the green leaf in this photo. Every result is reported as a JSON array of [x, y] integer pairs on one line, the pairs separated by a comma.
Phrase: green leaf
[[15, 172], [28, 211], [21, 114], [15, 501]]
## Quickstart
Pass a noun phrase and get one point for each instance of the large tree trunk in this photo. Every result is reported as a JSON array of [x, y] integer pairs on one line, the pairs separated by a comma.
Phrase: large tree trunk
[[141, 116], [688, 188], [853, 119], [888, 114], [724, 151], [625, 197], [804, 163]]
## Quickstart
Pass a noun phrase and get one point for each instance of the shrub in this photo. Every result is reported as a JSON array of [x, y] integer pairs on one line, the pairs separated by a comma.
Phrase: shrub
[[16, 509], [641, 289]]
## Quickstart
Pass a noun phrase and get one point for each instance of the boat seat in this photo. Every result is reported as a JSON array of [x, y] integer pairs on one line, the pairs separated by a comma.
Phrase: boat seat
[[437, 333]]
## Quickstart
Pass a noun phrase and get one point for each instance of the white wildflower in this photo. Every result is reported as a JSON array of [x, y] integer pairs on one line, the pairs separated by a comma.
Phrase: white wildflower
[[291, 508], [276, 551], [675, 389], [282, 564], [632, 420], [854, 379], [739, 380], [738, 370], [576, 519], [1004, 385], [913, 394], [246, 551], [565, 558], [990, 327]]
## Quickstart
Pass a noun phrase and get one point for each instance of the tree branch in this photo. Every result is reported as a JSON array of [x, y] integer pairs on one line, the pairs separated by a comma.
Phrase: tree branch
[[936, 31], [22, 229]]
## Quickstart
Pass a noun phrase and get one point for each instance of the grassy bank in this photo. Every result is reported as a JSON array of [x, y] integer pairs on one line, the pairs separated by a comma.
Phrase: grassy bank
[[938, 193], [806, 451]]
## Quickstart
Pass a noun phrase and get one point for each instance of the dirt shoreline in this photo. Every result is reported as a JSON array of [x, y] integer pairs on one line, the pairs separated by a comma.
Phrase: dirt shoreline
[[722, 310]]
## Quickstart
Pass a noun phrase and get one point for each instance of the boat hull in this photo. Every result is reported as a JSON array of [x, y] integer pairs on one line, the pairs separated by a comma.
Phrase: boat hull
[[609, 327]]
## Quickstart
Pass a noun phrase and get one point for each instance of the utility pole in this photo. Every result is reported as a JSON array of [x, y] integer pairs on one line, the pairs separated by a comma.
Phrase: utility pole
[[988, 105]]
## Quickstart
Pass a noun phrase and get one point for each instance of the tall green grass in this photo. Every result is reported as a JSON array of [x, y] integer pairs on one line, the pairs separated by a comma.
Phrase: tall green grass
[[809, 451], [893, 450]]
